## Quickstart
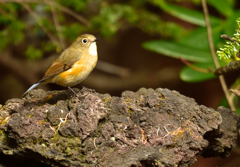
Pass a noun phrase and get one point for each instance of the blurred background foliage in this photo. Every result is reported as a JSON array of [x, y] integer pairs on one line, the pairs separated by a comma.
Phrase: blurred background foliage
[[51, 18], [194, 46], [31, 30], [144, 43], [35, 29]]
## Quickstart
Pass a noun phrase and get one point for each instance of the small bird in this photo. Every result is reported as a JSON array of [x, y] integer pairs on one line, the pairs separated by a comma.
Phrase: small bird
[[73, 65]]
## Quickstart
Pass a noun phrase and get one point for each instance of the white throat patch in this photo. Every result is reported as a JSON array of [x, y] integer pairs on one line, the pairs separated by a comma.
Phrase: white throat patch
[[93, 49]]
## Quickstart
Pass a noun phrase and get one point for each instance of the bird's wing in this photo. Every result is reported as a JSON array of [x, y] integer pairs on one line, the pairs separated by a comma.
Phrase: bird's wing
[[55, 69], [61, 64]]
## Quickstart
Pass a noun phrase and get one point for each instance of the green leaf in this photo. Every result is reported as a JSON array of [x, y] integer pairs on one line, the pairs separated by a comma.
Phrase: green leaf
[[185, 14], [48, 46], [198, 37], [72, 31], [18, 28], [108, 19], [187, 74], [223, 6], [176, 50], [75, 4], [230, 24], [224, 103], [153, 24], [5, 40], [33, 53]]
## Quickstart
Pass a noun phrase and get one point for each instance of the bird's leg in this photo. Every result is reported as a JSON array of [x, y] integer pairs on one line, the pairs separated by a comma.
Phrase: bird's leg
[[72, 90]]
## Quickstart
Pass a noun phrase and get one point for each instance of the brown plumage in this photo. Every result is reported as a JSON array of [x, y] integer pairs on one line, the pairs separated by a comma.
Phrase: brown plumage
[[73, 65]]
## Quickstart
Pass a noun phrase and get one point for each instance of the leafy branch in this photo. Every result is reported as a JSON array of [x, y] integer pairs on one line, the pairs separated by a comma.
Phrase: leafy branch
[[230, 49]]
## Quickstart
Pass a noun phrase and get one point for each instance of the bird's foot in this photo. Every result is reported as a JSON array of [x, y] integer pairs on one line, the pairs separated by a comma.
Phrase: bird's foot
[[73, 91]]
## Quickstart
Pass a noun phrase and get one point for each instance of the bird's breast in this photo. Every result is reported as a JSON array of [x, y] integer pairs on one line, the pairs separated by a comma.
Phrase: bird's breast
[[93, 49], [79, 71]]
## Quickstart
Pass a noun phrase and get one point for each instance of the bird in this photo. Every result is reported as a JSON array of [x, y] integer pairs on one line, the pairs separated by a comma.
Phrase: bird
[[73, 65]]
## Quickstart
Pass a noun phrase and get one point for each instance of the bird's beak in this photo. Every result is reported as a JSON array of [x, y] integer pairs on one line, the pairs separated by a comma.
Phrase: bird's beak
[[95, 40]]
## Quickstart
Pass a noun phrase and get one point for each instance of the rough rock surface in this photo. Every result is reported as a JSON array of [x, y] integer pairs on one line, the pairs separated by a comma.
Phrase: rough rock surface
[[146, 128]]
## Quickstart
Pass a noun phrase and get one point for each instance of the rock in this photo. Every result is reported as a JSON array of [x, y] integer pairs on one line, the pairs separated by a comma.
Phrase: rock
[[144, 128]]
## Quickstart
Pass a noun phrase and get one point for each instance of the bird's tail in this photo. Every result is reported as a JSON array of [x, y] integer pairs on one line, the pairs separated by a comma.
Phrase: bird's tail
[[32, 87]]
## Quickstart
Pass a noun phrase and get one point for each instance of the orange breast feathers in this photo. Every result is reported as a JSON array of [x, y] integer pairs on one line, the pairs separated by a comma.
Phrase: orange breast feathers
[[79, 71]]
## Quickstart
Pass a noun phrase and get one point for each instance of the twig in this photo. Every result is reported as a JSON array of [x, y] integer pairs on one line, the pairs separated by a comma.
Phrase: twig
[[2, 12], [68, 11], [233, 42], [113, 69], [17, 68], [54, 4], [232, 90], [62, 121], [223, 36], [210, 40], [94, 143], [57, 25], [49, 34], [158, 131], [234, 65], [124, 140], [196, 68], [235, 91]]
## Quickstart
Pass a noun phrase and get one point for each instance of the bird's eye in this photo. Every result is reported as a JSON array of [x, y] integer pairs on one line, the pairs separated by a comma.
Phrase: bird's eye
[[84, 41]]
